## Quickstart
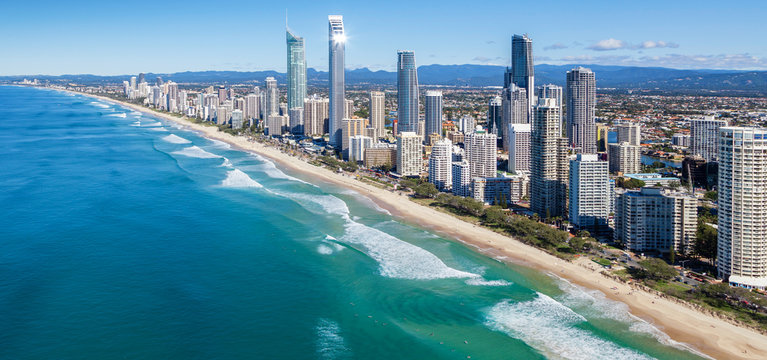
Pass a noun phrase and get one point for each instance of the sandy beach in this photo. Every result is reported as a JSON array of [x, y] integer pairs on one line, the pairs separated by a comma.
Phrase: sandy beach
[[707, 334]]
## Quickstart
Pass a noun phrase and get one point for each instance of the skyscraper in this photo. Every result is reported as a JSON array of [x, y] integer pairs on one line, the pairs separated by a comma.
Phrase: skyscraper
[[377, 111], [653, 220], [495, 116], [433, 113], [581, 104], [407, 92], [522, 69], [440, 164], [589, 193], [481, 152], [703, 137], [625, 158], [548, 165], [296, 70], [518, 143], [272, 98], [409, 149], [630, 133], [551, 91], [515, 106], [742, 245], [336, 44]]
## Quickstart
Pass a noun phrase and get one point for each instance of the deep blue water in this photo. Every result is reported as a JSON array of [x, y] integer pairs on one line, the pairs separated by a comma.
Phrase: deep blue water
[[125, 237]]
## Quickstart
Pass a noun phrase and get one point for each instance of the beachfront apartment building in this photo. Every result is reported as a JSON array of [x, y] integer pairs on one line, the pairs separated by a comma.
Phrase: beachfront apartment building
[[461, 176], [549, 165], [380, 154], [357, 146], [589, 198], [481, 152], [742, 211], [653, 220], [409, 154], [440, 164]]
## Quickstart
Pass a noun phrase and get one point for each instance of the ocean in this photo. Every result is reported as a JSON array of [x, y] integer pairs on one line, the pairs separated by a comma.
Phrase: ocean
[[125, 236]]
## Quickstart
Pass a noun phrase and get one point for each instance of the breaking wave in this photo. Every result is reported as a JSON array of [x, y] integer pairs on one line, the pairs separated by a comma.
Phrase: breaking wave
[[550, 327], [196, 152], [239, 179]]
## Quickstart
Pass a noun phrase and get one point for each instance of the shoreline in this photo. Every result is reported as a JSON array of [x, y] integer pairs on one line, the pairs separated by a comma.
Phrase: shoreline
[[697, 330]]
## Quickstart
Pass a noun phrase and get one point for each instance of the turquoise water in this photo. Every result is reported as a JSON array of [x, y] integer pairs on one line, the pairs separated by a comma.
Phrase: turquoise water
[[126, 237]]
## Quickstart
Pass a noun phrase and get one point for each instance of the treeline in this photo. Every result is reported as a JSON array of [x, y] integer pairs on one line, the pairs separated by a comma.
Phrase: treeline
[[526, 230]]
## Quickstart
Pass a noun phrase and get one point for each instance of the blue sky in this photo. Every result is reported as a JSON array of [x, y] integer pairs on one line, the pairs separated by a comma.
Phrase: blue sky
[[110, 38]]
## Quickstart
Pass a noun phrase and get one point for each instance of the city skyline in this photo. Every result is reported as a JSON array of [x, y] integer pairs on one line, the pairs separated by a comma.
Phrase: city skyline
[[113, 50]]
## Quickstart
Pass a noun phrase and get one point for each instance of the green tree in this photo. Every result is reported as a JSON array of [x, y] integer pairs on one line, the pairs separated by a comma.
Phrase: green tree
[[425, 190], [705, 242], [711, 195], [657, 269], [494, 215], [630, 183]]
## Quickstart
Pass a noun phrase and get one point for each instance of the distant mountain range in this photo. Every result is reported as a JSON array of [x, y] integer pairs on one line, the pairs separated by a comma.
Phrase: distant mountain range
[[729, 82]]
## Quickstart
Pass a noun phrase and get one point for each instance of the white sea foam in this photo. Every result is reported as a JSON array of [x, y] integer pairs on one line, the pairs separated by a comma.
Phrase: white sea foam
[[324, 249], [238, 179], [196, 152], [596, 305], [158, 129], [99, 104], [366, 200], [136, 123], [175, 139], [549, 327], [272, 171], [220, 144], [156, 123], [479, 281], [330, 342], [135, 113], [226, 163], [120, 115]]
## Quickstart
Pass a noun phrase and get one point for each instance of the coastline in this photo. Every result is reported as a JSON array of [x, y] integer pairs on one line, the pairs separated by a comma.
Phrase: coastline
[[705, 333]]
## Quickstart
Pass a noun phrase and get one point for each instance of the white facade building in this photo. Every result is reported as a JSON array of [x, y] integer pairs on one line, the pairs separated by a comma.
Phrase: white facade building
[[653, 220], [742, 225], [625, 158], [703, 137], [440, 164], [461, 178], [409, 150], [518, 143], [377, 112], [357, 146], [630, 133], [481, 152], [589, 198]]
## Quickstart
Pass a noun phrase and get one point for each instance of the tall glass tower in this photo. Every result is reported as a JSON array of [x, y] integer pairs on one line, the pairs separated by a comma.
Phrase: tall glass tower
[[407, 92], [522, 70], [581, 104], [433, 113], [296, 70], [336, 42]]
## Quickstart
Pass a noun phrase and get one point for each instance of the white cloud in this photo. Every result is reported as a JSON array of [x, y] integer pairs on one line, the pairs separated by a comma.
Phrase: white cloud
[[615, 44], [676, 61], [556, 46], [608, 44], [656, 44]]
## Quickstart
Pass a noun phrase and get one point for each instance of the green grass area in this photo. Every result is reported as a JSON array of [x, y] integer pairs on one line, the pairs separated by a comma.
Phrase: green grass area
[[602, 261]]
